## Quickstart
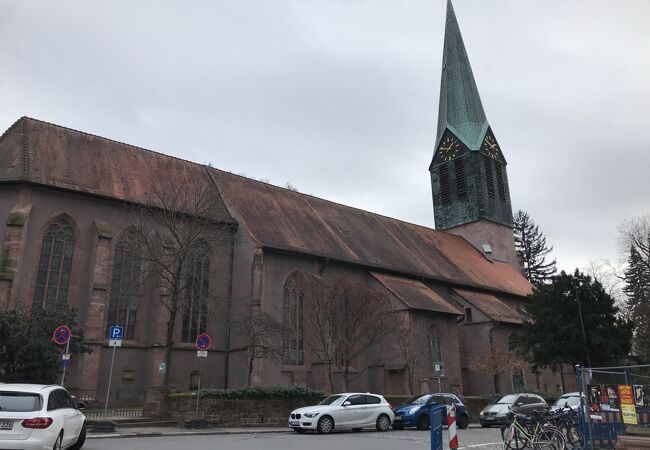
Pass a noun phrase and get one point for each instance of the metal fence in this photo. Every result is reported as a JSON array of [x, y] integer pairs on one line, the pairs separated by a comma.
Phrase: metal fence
[[122, 403], [613, 399]]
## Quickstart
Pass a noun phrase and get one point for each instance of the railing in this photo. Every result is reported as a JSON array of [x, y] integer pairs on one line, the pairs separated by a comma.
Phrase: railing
[[121, 402]]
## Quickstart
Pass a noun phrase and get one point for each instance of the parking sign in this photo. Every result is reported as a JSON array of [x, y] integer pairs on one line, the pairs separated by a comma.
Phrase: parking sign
[[116, 332]]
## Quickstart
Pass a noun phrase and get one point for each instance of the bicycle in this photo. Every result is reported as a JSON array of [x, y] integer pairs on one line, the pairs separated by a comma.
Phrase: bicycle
[[534, 432], [566, 420]]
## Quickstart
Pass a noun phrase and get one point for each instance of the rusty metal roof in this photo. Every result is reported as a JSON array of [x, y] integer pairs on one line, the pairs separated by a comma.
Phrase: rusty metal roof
[[415, 294], [491, 306], [40, 152], [287, 220], [48, 154]]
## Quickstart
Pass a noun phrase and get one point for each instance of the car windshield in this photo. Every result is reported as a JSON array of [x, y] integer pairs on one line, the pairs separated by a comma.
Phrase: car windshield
[[331, 400], [571, 401], [419, 399], [19, 401], [507, 399]]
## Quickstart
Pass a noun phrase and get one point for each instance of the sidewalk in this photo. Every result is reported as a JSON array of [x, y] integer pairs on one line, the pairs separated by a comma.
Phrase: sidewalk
[[174, 431]]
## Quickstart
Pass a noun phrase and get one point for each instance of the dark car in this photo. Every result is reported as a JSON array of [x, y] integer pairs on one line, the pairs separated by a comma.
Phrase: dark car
[[500, 413], [415, 411]]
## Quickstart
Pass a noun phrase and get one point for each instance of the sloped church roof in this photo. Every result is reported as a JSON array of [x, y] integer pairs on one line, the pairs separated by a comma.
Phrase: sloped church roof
[[46, 154]]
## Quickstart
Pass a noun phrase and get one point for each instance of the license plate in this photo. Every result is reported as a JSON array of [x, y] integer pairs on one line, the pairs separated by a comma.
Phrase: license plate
[[294, 423], [6, 424]]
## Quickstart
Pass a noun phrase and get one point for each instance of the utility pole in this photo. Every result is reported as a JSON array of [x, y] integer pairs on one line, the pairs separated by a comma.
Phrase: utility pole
[[582, 324]]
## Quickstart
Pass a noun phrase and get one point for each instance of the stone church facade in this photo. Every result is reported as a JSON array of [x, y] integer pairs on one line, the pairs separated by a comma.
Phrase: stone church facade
[[66, 207]]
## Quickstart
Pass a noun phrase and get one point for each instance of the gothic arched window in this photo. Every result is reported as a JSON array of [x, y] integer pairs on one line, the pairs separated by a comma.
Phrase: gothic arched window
[[55, 264], [294, 347], [196, 284], [125, 285], [434, 343]]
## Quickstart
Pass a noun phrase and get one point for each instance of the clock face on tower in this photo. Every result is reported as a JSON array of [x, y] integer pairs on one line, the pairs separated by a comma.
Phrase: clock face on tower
[[449, 148], [490, 146]]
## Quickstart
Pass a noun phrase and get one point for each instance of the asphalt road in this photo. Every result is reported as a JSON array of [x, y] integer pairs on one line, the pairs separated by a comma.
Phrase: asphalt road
[[471, 439]]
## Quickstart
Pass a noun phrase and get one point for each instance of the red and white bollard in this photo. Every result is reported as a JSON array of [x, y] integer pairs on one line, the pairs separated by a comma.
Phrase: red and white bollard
[[451, 424]]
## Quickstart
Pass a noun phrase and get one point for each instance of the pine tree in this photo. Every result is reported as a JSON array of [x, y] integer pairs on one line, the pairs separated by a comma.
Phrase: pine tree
[[637, 289], [530, 243], [553, 335]]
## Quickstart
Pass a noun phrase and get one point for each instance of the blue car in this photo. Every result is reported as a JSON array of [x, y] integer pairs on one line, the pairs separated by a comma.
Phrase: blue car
[[415, 411]]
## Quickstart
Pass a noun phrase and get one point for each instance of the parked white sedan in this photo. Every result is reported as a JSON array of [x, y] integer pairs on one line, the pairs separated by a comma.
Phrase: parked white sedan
[[344, 411], [38, 417]]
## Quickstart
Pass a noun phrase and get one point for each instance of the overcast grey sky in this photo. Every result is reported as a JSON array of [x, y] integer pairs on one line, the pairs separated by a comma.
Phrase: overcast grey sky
[[340, 97]]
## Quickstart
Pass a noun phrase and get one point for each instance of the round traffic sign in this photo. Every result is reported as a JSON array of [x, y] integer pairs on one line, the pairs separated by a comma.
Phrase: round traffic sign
[[203, 341], [62, 335]]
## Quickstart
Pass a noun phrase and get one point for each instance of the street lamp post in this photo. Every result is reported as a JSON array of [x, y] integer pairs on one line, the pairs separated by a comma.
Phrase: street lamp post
[[582, 324]]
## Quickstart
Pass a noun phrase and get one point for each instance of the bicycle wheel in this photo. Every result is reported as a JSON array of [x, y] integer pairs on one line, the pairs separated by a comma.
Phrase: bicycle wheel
[[573, 436], [513, 439], [549, 439]]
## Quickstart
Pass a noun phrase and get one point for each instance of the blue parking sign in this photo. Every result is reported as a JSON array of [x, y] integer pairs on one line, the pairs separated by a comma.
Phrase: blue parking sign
[[116, 332]]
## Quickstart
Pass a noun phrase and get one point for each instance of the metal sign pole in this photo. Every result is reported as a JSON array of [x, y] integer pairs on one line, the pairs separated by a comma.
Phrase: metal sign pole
[[67, 351], [198, 389], [110, 376]]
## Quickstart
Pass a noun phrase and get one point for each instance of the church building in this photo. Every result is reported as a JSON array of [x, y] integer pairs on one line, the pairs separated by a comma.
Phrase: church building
[[66, 214]]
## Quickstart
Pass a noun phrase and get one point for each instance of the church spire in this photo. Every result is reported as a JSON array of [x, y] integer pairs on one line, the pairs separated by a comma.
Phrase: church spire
[[460, 107]]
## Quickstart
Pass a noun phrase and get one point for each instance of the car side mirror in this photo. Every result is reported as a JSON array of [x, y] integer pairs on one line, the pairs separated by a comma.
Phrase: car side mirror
[[81, 406], [519, 404], [346, 403]]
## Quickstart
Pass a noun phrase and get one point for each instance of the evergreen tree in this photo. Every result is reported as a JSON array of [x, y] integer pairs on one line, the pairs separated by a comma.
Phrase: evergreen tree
[[530, 243], [637, 289], [553, 335], [27, 353]]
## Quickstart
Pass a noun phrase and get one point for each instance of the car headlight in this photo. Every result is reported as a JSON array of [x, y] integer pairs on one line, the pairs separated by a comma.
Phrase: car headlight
[[311, 414], [482, 413], [414, 410]]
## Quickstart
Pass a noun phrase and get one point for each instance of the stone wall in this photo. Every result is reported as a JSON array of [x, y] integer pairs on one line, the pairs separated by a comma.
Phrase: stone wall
[[236, 412]]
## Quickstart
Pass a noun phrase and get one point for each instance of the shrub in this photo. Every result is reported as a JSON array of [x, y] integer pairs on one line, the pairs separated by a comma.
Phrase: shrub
[[259, 392]]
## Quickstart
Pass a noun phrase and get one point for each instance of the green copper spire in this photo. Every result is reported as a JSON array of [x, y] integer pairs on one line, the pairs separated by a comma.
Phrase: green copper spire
[[460, 105]]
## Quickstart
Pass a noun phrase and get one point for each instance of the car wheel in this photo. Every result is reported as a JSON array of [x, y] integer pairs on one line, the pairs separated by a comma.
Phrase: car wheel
[[57, 443], [462, 421], [383, 422], [423, 422], [325, 425], [81, 440]]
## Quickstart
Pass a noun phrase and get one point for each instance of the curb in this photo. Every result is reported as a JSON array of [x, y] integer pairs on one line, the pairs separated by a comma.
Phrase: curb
[[118, 435]]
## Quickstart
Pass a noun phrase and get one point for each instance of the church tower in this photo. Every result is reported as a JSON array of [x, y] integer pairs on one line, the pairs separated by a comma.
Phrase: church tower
[[471, 197]]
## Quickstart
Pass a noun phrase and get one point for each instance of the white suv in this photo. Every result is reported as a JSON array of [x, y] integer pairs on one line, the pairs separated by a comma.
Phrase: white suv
[[344, 411], [34, 416]]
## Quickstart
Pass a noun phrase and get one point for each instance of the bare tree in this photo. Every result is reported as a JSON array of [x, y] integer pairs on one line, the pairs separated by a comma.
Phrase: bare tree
[[408, 343], [500, 359], [346, 317], [178, 228], [264, 335]]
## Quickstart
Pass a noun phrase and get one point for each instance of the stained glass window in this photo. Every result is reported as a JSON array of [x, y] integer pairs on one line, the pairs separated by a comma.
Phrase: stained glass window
[[55, 264], [125, 285], [197, 273], [294, 347]]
